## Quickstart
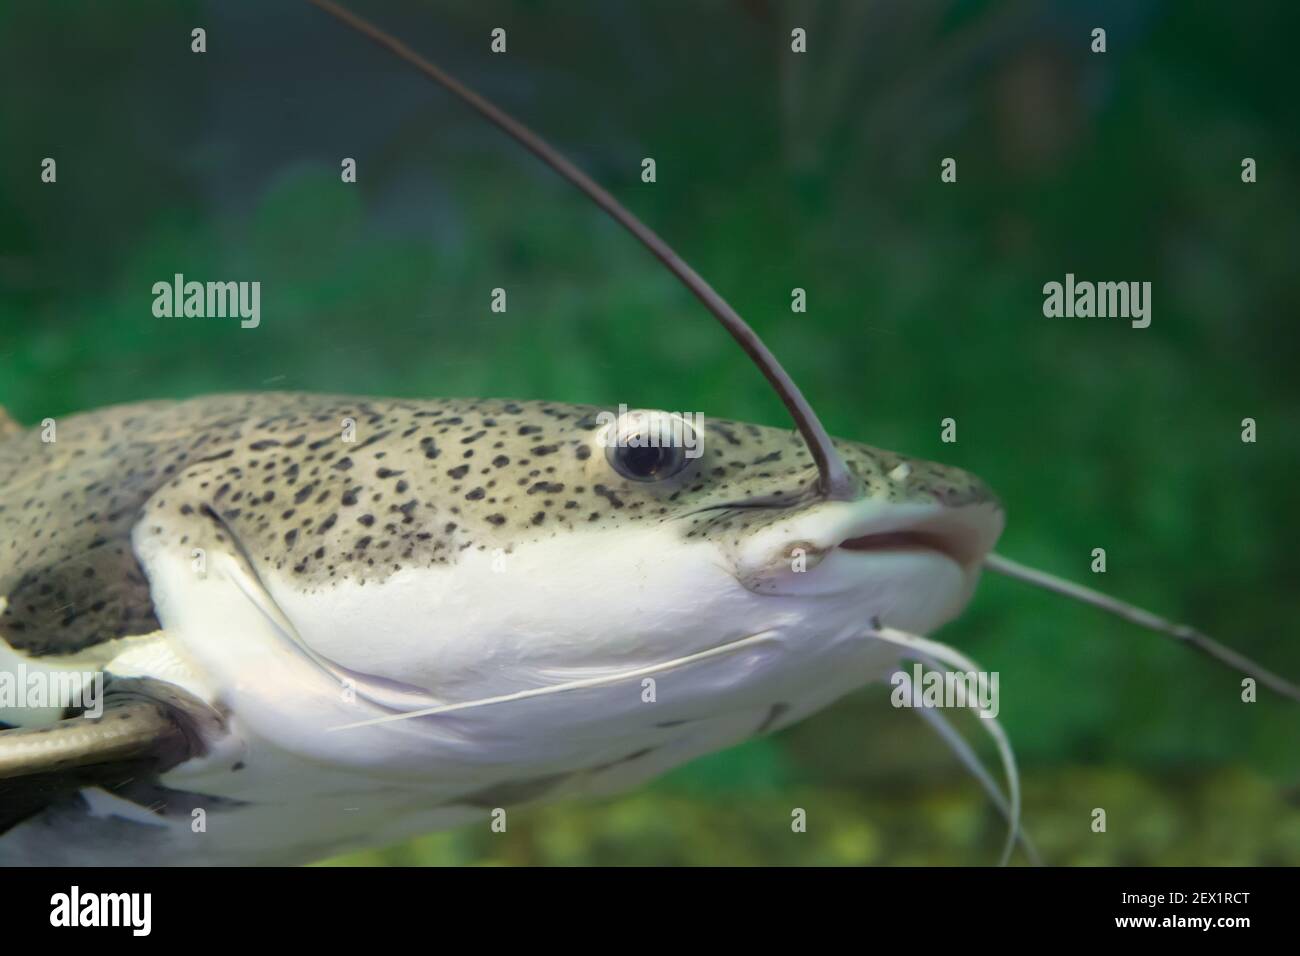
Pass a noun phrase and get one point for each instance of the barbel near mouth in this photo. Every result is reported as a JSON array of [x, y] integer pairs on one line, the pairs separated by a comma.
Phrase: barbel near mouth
[[584, 683], [835, 481]]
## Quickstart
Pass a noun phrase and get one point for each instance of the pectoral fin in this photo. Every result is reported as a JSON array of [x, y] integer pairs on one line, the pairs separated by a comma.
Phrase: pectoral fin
[[147, 727]]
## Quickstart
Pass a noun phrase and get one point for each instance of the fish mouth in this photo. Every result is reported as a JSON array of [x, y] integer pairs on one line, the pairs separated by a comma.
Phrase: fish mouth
[[839, 543], [961, 544]]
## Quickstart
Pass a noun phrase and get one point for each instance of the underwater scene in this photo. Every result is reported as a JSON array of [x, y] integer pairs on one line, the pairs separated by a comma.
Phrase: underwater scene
[[981, 238]]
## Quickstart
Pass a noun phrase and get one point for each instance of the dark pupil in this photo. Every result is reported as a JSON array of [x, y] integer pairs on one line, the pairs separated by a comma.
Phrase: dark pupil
[[643, 461]]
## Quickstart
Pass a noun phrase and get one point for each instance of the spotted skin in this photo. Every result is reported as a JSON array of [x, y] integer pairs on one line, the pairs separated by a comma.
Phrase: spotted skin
[[420, 482]]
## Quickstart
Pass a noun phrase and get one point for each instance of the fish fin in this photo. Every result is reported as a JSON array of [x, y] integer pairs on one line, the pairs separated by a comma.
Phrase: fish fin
[[146, 728]]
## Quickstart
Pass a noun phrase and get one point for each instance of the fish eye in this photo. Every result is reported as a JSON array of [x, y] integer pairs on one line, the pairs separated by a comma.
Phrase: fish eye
[[649, 446], [647, 464]]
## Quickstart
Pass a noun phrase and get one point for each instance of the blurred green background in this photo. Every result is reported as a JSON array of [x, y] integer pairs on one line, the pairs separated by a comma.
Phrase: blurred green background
[[774, 171]]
